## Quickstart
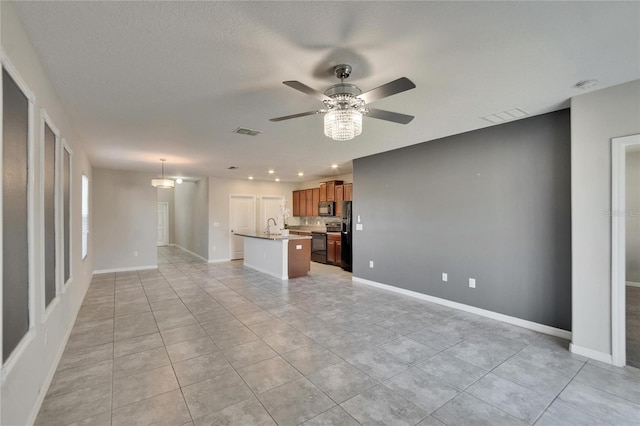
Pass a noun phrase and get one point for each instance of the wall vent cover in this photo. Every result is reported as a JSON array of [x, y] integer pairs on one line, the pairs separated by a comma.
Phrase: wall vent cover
[[245, 131], [501, 117]]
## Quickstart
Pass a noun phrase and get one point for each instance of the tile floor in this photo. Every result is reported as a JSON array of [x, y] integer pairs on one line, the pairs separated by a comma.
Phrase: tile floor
[[218, 344]]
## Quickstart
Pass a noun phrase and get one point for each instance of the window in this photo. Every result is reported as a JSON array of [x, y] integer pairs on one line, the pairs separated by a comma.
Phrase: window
[[49, 178], [85, 215], [16, 318], [66, 216]]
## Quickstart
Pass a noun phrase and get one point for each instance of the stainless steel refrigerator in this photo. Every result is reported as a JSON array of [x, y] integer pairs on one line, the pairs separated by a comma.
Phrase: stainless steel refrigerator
[[346, 236]]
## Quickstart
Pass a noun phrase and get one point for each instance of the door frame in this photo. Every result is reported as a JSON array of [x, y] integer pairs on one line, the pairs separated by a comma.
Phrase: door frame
[[231, 234], [618, 251], [262, 214], [166, 228]]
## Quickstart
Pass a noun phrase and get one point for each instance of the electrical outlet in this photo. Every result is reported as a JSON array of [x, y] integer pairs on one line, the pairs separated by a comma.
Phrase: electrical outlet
[[371, 264], [135, 253], [445, 277], [472, 282]]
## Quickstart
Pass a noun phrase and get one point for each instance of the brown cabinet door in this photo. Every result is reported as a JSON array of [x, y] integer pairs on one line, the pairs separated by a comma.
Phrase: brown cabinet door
[[339, 196], [303, 202], [323, 192], [331, 252], [316, 200], [348, 192], [296, 203], [331, 188], [309, 198], [338, 252]]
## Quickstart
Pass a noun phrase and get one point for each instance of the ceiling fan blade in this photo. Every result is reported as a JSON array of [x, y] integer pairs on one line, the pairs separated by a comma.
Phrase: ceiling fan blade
[[391, 88], [389, 116], [306, 89], [287, 117]]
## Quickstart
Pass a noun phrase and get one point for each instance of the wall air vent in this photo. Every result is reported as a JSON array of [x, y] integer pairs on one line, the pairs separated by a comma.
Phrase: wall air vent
[[245, 131], [232, 167], [501, 117]]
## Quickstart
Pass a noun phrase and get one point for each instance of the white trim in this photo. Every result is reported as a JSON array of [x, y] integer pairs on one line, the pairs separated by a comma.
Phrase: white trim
[[66, 147], [540, 328], [45, 121], [618, 260], [15, 75], [632, 284], [590, 353], [17, 352], [128, 269], [219, 260], [189, 251]]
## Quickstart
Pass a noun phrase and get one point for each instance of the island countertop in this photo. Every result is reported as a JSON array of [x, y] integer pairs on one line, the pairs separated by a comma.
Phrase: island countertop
[[275, 237]]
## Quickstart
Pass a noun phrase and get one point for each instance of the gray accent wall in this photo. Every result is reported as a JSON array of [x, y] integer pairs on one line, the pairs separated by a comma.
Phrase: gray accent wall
[[491, 204]]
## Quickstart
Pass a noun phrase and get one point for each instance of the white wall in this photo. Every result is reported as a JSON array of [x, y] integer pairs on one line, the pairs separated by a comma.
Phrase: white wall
[[219, 191], [166, 195], [596, 118], [632, 221], [24, 381], [191, 200], [124, 220]]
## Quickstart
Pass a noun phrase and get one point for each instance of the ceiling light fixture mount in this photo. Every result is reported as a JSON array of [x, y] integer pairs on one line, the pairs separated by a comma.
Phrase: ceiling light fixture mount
[[345, 104], [163, 183]]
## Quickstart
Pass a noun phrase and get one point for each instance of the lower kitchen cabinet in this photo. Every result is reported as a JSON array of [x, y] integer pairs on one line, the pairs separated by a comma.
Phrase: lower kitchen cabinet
[[334, 249]]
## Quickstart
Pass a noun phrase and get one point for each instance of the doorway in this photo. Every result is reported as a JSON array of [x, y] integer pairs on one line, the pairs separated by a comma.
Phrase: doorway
[[619, 212], [163, 223], [242, 220]]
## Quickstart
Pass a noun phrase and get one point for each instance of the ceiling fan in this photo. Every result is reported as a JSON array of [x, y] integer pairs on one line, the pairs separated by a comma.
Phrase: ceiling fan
[[345, 104]]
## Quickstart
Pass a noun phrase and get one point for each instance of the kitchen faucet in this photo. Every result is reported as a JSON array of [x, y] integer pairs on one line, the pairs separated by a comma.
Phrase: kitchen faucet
[[268, 230]]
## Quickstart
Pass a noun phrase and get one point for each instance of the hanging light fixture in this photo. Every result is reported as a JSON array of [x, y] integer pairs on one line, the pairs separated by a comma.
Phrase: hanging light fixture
[[162, 182]]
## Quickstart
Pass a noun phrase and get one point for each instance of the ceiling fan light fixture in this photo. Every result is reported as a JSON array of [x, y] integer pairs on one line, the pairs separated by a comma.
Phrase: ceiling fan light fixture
[[343, 124], [162, 182]]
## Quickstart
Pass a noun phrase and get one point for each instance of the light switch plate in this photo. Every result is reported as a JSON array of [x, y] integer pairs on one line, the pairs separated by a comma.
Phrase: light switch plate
[[472, 282], [445, 277]]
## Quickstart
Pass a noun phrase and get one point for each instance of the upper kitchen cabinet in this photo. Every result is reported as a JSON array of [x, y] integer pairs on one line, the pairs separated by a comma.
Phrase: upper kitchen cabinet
[[339, 198], [348, 192], [310, 206], [331, 189], [296, 203], [323, 192], [315, 201]]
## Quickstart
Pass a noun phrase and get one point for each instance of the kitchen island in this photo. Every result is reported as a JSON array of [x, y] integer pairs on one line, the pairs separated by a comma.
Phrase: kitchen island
[[280, 256]]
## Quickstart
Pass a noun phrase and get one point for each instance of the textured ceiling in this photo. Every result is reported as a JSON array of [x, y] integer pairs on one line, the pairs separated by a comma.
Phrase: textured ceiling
[[145, 80]]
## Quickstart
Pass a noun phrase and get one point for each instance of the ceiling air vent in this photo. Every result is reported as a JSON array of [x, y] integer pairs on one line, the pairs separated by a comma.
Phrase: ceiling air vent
[[245, 131], [501, 117], [232, 167]]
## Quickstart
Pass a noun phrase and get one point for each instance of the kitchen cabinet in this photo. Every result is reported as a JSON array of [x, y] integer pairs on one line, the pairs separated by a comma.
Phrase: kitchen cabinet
[[331, 190], [334, 249], [316, 200], [339, 198], [296, 203], [323, 191], [309, 198], [348, 192], [303, 203]]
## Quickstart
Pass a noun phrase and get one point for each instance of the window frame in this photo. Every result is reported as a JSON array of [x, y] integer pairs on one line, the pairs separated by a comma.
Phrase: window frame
[[17, 352], [85, 233], [66, 233]]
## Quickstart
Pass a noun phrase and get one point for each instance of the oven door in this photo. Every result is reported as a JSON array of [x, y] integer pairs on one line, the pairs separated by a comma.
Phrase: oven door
[[319, 247]]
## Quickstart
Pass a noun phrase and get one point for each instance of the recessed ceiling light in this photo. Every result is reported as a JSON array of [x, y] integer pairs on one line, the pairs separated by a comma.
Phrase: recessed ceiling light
[[277, 179], [334, 166], [271, 171], [250, 177], [300, 174], [179, 181]]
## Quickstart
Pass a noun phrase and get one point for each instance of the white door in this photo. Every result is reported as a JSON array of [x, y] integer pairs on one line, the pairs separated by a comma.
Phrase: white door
[[242, 220], [163, 223], [271, 207]]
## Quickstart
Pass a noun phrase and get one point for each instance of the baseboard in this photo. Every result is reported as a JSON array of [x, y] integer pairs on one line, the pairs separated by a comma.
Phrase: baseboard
[[129, 269], [590, 353], [540, 328], [632, 284], [52, 372], [218, 260], [189, 251]]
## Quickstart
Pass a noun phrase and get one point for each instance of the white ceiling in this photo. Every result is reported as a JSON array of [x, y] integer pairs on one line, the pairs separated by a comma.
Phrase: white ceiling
[[145, 80]]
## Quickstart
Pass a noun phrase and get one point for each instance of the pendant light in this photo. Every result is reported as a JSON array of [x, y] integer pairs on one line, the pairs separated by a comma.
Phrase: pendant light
[[162, 182]]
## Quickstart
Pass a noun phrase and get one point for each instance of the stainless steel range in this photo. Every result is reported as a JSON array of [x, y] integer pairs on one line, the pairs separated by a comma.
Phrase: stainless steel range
[[319, 247]]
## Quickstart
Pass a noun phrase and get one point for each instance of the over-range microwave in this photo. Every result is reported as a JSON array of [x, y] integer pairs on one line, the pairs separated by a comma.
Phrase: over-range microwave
[[326, 208]]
